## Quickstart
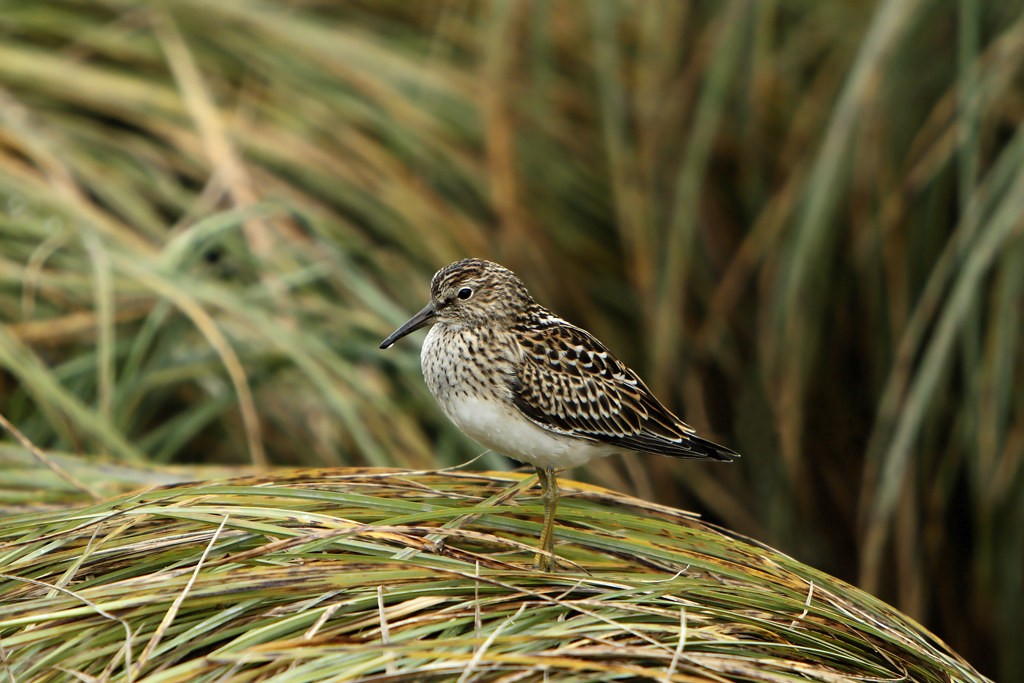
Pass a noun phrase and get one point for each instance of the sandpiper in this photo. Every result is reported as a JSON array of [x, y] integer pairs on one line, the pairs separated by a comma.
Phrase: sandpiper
[[518, 379]]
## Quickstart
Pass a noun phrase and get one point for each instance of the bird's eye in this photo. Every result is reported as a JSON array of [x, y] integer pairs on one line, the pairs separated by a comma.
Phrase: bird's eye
[[465, 293]]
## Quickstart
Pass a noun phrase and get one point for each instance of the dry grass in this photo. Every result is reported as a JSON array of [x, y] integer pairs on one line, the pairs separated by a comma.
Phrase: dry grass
[[388, 575]]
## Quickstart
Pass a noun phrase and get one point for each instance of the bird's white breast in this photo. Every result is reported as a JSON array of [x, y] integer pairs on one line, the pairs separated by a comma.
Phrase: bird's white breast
[[500, 426], [478, 401]]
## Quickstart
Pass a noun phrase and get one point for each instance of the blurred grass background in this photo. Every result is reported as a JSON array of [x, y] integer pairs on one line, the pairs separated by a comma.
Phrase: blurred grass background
[[801, 221]]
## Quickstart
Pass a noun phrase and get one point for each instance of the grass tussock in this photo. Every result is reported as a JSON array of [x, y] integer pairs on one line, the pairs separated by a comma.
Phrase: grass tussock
[[378, 575]]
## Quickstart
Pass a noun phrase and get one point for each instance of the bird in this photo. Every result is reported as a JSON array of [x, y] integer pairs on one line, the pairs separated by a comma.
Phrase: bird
[[520, 380]]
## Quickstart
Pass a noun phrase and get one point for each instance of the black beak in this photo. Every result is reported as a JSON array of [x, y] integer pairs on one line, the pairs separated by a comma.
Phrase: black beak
[[424, 317]]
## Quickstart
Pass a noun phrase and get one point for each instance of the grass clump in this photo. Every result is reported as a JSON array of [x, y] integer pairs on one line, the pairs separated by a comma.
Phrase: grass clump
[[388, 575]]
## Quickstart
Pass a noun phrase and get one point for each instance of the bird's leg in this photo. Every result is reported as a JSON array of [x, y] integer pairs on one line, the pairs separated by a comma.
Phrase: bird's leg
[[549, 494]]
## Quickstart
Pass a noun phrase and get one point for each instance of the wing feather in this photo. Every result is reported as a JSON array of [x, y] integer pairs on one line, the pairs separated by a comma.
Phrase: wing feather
[[569, 383]]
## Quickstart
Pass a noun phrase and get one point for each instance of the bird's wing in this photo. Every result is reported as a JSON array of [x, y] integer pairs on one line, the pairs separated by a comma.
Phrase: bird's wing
[[569, 383]]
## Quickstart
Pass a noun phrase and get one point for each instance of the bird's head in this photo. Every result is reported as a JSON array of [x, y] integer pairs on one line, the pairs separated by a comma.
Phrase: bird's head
[[469, 292]]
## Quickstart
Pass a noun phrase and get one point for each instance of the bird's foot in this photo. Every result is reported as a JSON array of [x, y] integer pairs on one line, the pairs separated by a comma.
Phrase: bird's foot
[[544, 562]]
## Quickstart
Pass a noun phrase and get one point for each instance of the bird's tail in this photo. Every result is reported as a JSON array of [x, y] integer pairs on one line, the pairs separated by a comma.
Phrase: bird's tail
[[712, 450]]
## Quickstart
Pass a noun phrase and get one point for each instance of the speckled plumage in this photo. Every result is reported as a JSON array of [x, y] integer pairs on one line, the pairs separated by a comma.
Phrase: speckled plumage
[[522, 381]]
